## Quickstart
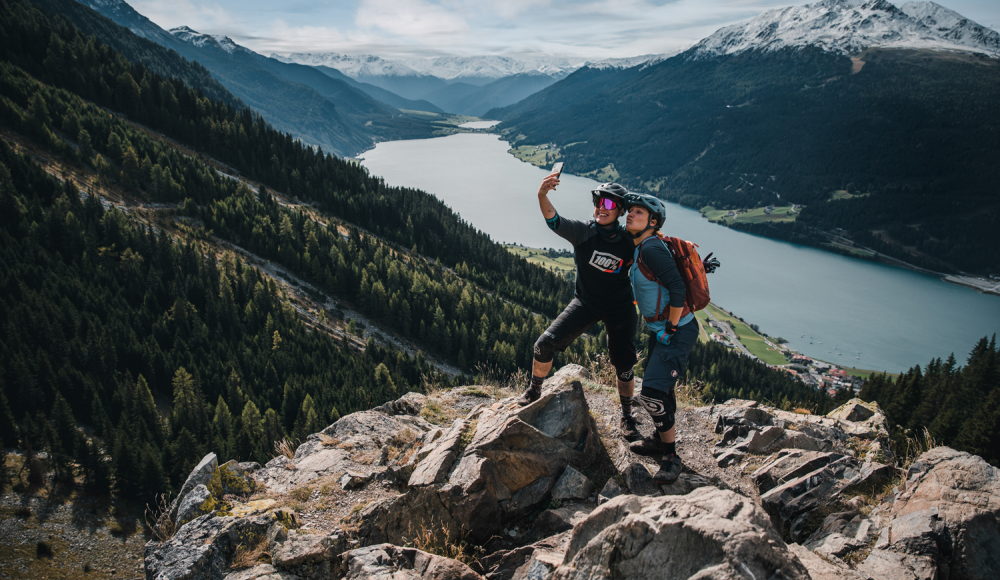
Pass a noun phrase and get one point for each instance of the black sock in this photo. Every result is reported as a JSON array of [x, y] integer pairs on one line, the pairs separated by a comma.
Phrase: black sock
[[536, 382], [626, 406], [670, 448]]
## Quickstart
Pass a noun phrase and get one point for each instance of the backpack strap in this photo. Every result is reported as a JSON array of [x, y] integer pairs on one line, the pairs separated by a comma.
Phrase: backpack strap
[[662, 315]]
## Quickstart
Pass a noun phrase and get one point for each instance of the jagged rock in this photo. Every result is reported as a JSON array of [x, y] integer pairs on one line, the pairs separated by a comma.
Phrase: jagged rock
[[200, 475], [840, 534], [685, 484], [354, 480], [196, 503], [389, 562], [300, 548], [409, 404], [945, 523], [820, 569], [611, 490], [788, 465], [572, 485], [509, 466], [799, 440], [231, 479], [730, 457], [261, 572], [202, 549], [354, 438], [639, 480], [790, 503], [532, 562], [524, 499], [555, 521], [758, 441], [741, 415], [399, 519], [709, 533], [439, 456], [854, 410]]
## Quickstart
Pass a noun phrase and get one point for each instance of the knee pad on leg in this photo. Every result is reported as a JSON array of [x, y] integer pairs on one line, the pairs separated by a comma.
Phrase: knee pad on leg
[[545, 349], [625, 375], [661, 406]]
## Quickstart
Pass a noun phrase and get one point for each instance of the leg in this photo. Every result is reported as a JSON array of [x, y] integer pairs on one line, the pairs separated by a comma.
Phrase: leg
[[570, 324], [621, 328]]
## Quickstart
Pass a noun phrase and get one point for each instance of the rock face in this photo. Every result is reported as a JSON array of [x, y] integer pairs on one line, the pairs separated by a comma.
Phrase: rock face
[[354, 443], [709, 533], [388, 562], [944, 523], [496, 464]]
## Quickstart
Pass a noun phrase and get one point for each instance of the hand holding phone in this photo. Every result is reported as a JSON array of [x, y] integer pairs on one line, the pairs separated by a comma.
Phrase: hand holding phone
[[557, 168]]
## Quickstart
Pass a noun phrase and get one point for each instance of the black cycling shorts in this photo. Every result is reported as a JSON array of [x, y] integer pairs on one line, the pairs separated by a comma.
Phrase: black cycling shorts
[[577, 317]]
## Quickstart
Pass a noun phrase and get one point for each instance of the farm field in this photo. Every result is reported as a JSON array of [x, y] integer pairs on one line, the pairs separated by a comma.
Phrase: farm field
[[754, 216]]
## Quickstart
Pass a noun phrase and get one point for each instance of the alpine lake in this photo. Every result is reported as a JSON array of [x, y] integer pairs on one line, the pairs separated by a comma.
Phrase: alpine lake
[[847, 311]]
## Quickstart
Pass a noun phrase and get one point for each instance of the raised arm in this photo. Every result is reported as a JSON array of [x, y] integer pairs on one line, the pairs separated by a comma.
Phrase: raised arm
[[548, 184]]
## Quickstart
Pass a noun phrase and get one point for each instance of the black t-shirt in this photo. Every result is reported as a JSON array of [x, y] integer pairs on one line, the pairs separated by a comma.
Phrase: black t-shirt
[[602, 264]]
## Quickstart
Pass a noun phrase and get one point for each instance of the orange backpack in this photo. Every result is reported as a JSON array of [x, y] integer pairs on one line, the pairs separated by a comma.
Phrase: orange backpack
[[692, 271]]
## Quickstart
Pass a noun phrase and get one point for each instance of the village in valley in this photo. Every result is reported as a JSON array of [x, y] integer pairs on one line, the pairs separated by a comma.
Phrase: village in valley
[[725, 328]]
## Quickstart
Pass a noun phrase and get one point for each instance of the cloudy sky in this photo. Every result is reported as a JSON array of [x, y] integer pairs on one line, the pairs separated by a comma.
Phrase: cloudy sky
[[588, 29]]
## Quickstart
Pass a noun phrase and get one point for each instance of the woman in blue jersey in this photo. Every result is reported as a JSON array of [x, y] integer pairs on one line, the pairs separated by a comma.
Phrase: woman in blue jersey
[[672, 327]]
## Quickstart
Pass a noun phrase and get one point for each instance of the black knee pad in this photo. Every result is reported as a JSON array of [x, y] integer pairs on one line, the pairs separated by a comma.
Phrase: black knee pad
[[625, 375], [661, 406], [545, 348]]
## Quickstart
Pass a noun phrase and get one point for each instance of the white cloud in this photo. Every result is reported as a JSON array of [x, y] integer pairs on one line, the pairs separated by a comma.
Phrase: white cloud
[[411, 19], [213, 18]]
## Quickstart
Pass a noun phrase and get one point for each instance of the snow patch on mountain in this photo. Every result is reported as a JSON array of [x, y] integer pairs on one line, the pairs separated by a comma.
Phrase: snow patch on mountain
[[202, 40], [646, 59], [850, 26], [354, 66]]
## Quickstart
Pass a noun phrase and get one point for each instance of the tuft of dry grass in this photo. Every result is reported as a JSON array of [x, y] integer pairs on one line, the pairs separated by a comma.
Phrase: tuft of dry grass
[[158, 519], [801, 411], [501, 384], [327, 441], [602, 371], [249, 555], [301, 493], [440, 544], [916, 446], [285, 447]]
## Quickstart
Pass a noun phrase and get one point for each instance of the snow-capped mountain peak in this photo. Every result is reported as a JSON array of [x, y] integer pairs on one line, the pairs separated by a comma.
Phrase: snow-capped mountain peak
[[850, 26], [200, 40], [354, 66]]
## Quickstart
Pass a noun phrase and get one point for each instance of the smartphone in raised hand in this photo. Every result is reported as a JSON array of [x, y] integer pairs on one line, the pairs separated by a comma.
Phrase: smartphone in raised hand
[[557, 168]]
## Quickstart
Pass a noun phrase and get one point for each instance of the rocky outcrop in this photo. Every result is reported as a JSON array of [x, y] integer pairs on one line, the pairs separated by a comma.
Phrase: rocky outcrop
[[709, 533], [943, 523], [520, 482], [496, 464]]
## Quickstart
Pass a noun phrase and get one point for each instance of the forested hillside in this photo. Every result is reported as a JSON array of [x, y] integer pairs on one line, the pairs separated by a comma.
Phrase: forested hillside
[[912, 134], [959, 406]]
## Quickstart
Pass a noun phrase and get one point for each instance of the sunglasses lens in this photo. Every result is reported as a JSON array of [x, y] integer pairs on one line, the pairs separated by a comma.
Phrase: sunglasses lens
[[608, 204]]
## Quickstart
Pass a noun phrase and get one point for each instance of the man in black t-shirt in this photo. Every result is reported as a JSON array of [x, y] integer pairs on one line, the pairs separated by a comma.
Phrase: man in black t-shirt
[[603, 253]]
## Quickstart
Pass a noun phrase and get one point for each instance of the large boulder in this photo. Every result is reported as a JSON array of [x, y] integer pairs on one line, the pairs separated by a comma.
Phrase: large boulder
[[200, 475], [354, 443], [497, 464], [388, 562], [944, 523], [709, 533], [202, 549]]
